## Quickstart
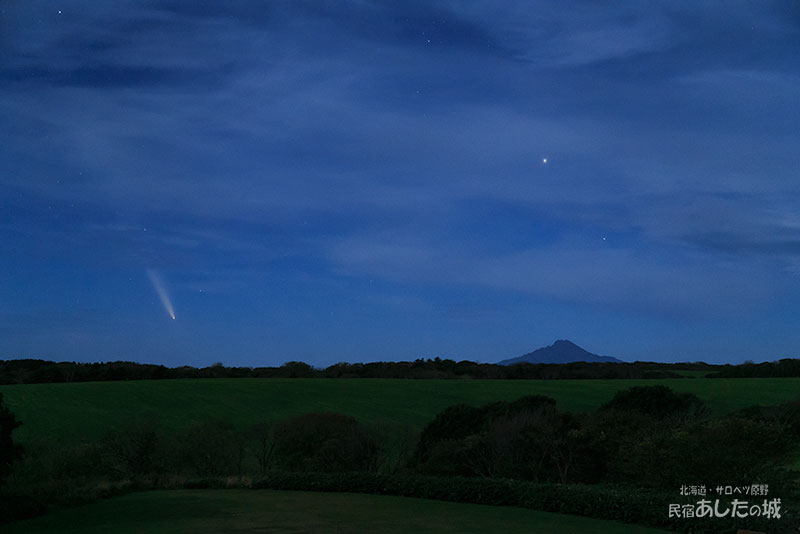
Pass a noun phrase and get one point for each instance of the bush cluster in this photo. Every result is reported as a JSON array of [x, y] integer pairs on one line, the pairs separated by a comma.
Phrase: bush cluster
[[619, 503], [648, 436], [626, 461]]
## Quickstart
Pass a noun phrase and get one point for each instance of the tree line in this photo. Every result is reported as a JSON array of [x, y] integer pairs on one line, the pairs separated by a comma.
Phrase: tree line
[[784, 368], [31, 371]]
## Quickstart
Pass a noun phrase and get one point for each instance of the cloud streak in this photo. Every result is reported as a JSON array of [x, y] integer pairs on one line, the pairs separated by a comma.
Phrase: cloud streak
[[404, 143]]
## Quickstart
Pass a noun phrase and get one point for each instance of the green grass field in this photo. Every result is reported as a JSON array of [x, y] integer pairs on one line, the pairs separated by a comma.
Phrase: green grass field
[[66, 414], [294, 511], [84, 410], [693, 374]]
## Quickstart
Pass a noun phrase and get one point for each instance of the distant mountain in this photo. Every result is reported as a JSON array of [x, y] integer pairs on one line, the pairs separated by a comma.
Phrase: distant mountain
[[562, 351]]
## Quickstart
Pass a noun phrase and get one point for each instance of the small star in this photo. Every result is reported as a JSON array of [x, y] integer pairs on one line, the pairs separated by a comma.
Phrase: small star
[[544, 160], [59, 11]]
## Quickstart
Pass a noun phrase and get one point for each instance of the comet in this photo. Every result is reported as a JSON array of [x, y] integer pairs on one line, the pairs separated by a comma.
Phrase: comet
[[161, 291]]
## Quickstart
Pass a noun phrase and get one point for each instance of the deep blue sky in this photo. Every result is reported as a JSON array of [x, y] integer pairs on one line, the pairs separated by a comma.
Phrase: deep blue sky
[[356, 181]]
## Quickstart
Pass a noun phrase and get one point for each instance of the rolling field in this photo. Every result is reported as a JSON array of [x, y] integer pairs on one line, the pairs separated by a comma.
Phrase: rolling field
[[69, 412], [295, 511]]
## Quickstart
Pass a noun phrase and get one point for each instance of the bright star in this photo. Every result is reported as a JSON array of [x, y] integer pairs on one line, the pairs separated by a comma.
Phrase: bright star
[[544, 160]]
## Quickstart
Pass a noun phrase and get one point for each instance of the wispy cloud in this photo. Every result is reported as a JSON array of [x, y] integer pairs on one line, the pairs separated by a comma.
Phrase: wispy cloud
[[406, 143]]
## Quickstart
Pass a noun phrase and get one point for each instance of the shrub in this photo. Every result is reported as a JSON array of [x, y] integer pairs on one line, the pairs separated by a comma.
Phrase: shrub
[[132, 449], [654, 401], [461, 421], [325, 441], [17, 507], [9, 451], [527, 438], [262, 438], [619, 503], [212, 448]]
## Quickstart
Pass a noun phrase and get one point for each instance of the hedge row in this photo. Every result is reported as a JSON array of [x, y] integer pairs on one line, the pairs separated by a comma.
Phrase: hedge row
[[630, 505], [617, 503]]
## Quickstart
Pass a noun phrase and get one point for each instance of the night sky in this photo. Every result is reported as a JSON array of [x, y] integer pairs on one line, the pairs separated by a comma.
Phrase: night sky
[[357, 181]]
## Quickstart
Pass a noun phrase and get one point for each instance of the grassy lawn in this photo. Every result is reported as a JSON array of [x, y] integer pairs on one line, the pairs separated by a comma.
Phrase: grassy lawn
[[84, 410], [693, 374], [295, 511]]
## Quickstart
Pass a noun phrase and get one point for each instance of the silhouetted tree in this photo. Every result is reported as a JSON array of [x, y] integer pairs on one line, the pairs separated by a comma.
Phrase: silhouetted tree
[[133, 448], [325, 441], [9, 451], [214, 448], [526, 438], [297, 370], [262, 435], [654, 401]]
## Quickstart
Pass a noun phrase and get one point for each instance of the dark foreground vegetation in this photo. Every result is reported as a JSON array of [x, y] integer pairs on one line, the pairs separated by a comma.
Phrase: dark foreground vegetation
[[29, 371], [627, 460]]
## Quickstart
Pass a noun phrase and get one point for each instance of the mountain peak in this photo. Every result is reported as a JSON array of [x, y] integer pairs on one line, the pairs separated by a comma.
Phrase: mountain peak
[[561, 351], [563, 343]]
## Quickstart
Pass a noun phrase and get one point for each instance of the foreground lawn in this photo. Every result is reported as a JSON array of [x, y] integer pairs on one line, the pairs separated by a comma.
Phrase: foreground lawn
[[81, 411], [295, 511]]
